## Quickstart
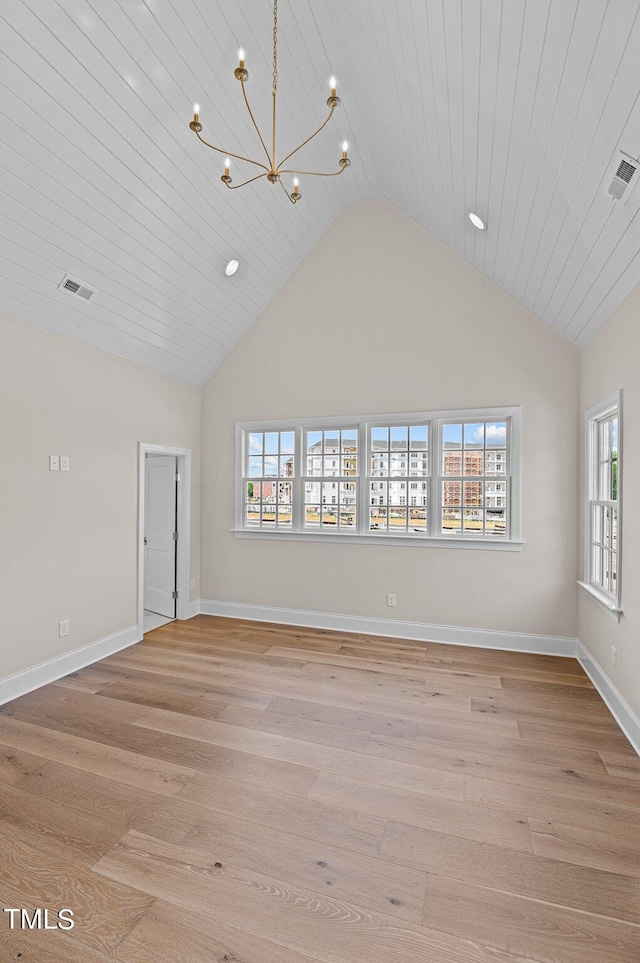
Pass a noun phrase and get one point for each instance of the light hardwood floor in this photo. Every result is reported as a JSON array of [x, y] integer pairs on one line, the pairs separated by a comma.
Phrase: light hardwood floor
[[234, 792]]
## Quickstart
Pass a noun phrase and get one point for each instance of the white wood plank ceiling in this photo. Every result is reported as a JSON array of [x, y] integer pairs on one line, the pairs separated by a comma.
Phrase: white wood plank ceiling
[[516, 109]]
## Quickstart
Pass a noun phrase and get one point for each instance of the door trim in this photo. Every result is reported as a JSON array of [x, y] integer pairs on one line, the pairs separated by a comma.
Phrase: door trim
[[183, 456]]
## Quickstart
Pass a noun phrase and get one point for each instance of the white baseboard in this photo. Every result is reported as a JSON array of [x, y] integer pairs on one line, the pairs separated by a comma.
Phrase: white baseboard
[[619, 708], [46, 672], [418, 631], [194, 608]]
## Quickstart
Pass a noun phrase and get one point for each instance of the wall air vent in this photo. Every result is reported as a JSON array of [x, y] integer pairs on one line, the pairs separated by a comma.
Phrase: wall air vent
[[76, 288], [624, 177]]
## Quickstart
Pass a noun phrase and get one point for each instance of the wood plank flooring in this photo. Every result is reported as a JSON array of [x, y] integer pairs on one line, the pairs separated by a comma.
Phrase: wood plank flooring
[[236, 792]]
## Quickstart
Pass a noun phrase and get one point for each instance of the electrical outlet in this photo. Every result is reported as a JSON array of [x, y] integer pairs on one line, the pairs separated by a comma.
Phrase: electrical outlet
[[63, 628], [614, 655], [64, 463], [54, 463], [193, 585], [391, 601]]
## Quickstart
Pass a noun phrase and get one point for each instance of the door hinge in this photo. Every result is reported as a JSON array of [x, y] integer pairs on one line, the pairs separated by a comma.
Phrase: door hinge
[[174, 595], [175, 536], [176, 476]]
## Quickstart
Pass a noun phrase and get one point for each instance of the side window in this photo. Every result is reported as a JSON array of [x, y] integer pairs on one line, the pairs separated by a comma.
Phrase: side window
[[602, 521]]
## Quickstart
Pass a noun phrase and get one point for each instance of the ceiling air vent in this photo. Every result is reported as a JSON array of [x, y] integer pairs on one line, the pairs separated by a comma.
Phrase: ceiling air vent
[[77, 288], [624, 172]]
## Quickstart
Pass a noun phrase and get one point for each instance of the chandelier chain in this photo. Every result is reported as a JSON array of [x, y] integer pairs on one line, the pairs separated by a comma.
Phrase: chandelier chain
[[275, 44]]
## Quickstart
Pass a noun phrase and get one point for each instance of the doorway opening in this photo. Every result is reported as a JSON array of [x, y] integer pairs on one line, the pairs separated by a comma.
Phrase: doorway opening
[[160, 539], [163, 535]]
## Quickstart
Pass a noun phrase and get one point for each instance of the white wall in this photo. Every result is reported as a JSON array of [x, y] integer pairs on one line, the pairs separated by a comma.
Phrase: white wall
[[69, 540], [380, 317], [611, 360]]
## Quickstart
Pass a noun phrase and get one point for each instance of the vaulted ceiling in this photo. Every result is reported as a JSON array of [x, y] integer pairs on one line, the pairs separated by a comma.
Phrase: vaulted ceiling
[[515, 109]]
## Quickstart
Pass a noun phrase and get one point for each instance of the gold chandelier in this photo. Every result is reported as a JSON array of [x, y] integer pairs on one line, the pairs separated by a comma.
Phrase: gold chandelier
[[272, 170]]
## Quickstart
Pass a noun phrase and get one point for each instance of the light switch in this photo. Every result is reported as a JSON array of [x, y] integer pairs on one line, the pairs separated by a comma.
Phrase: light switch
[[64, 463], [54, 463]]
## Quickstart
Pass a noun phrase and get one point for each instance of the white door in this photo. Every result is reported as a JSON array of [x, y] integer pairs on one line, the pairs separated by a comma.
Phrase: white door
[[159, 541]]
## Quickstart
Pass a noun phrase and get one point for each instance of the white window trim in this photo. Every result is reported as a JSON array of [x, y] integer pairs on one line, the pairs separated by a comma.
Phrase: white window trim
[[597, 412], [511, 543]]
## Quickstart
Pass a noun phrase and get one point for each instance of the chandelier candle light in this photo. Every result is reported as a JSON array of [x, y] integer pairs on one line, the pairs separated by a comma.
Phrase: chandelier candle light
[[272, 170]]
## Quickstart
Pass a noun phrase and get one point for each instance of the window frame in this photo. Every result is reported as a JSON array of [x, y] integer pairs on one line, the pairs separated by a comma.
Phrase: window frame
[[275, 480], [593, 418], [463, 479], [511, 541], [366, 478], [322, 479]]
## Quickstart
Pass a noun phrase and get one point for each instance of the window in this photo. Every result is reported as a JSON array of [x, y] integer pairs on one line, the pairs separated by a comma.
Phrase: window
[[391, 446], [602, 509], [330, 492], [433, 478], [267, 485], [472, 499]]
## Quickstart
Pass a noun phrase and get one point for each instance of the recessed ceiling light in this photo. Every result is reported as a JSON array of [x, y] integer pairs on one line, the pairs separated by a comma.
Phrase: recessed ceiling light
[[477, 221], [232, 267]]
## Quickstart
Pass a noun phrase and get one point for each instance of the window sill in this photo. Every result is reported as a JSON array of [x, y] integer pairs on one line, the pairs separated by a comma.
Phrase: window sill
[[600, 599], [420, 541]]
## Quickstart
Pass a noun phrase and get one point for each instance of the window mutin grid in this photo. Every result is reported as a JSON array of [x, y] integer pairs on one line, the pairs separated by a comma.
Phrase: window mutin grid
[[398, 479], [474, 477], [602, 523], [330, 465], [268, 479], [343, 508]]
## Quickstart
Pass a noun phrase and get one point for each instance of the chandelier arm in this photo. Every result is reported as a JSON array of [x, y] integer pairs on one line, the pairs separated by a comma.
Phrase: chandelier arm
[[315, 173], [229, 153], [304, 142], [287, 193], [244, 183], [246, 100]]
